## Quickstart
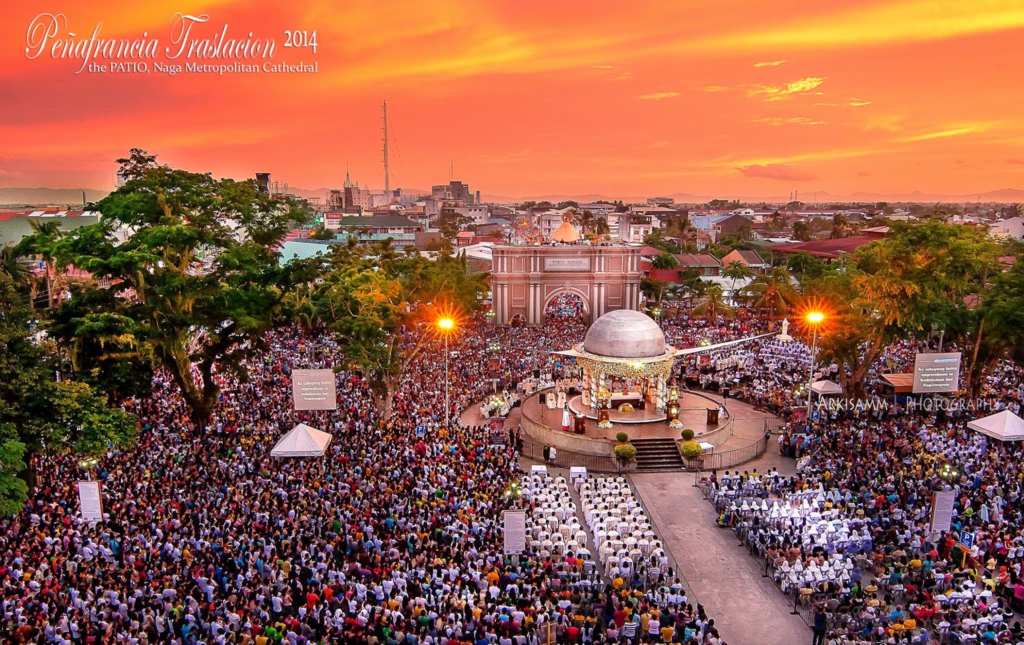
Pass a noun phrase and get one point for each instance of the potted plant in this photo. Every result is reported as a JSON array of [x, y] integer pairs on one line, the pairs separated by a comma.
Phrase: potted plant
[[692, 453], [626, 454], [687, 435]]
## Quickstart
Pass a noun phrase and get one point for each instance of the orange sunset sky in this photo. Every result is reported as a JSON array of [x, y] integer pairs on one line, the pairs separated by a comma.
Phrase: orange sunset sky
[[724, 97]]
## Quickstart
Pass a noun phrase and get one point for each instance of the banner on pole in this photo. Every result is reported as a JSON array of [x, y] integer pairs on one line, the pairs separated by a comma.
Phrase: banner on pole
[[314, 390], [515, 531], [935, 373], [942, 510], [90, 499]]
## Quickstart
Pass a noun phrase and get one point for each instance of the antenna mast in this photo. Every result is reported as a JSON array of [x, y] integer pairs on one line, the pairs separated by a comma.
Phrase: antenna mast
[[387, 177]]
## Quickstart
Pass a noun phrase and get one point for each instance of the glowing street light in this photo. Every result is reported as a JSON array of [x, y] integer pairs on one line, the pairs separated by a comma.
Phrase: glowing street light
[[814, 320], [446, 325]]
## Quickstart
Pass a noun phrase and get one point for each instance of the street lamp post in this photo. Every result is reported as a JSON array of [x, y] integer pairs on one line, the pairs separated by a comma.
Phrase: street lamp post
[[446, 325], [814, 319]]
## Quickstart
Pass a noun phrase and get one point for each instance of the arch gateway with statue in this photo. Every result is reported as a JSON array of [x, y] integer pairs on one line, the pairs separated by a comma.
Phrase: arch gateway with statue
[[525, 279]]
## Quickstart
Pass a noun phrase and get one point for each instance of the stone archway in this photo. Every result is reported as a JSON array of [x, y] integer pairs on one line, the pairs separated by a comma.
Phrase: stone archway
[[524, 279], [566, 289]]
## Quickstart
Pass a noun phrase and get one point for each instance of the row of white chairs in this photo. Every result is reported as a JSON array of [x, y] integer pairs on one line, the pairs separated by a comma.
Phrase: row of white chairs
[[622, 532]]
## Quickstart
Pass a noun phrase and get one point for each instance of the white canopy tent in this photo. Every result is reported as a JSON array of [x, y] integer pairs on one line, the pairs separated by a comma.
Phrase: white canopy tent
[[1004, 426], [302, 441], [826, 388]]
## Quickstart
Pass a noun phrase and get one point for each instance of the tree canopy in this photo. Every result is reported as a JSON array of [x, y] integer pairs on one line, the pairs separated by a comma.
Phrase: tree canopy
[[195, 271], [375, 300], [41, 411]]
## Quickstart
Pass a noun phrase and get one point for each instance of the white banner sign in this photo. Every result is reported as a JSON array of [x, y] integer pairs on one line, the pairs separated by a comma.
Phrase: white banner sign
[[314, 390], [91, 501], [934, 373], [942, 510], [515, 531]]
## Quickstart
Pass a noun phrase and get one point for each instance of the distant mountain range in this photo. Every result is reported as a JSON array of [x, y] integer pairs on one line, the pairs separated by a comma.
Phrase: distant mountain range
[[50, 196], [73, 197], [1004, 195]]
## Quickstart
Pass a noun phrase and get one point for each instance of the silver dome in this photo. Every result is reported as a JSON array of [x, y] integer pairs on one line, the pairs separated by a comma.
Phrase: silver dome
[[625, 334]]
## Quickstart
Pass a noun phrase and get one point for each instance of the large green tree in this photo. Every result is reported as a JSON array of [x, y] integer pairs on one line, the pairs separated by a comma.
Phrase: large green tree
[[194, 268], [938, 274], [40, 410], [370, 295]]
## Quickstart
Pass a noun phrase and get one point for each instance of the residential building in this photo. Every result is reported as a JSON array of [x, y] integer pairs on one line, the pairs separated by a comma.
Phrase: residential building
[[478, 213], [599, 209], [358, 197], [453, 191], [829, 249], [704, 263], [751, 259], [635, 224], [660, 201], [734, 225], [401, 230], [550, 220], [1013, 227]]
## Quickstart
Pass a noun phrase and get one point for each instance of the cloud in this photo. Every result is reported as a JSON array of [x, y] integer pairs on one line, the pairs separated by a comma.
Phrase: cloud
[[714, 88], [657, 96], [796, 120], [897, 22], [773, 63], [603, 66], [858, 103], [777, 92], [776, 171], [950, 131]]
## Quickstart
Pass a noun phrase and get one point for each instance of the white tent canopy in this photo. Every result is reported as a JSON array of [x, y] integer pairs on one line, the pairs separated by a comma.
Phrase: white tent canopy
[[824, 388], [1004, 426], [302, 441]]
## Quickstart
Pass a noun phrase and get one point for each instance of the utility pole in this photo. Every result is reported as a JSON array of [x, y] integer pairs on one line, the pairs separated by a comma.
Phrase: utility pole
[[387, 178]]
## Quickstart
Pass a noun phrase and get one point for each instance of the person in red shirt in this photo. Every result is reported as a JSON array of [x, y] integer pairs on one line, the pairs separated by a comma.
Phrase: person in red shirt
[[312, 599], [620, 617]]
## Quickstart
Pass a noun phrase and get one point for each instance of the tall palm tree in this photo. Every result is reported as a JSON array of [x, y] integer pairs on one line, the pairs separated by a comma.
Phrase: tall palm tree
[[586, 221], [714, 304], [736, 271], [11, 264], [41, 243], [601, 227], [774, 291], [664, 261]]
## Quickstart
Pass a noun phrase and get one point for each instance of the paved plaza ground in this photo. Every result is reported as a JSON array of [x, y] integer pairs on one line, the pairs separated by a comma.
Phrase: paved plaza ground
[[747, 608]]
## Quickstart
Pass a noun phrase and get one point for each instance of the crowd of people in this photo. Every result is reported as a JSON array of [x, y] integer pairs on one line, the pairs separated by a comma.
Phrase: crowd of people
[[850, 536], [395, 537]]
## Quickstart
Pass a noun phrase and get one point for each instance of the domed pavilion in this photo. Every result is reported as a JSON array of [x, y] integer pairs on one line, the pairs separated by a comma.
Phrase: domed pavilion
[[626, 363]]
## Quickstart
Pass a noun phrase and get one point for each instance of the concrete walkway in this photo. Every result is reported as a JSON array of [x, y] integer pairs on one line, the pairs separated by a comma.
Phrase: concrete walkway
[[747, 608]]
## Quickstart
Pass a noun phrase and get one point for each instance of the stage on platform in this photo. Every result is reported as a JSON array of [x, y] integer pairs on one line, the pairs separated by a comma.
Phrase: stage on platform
[[637, 416], [646, 424]]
